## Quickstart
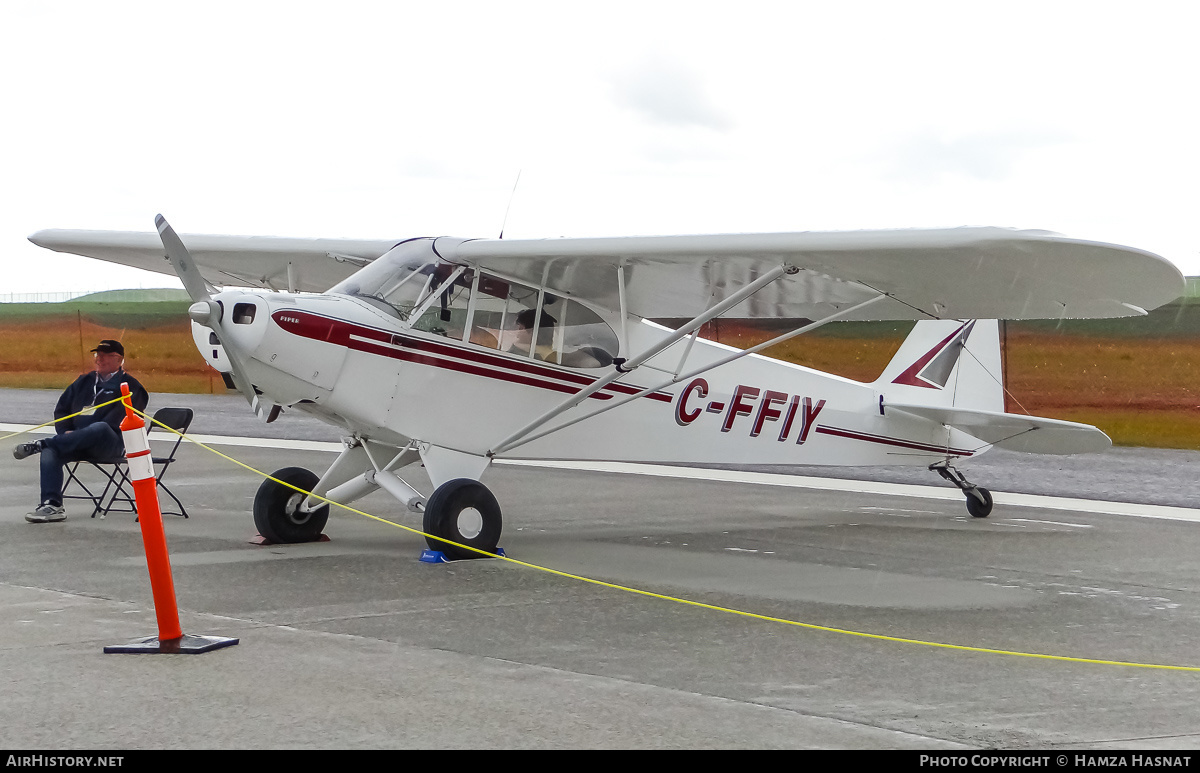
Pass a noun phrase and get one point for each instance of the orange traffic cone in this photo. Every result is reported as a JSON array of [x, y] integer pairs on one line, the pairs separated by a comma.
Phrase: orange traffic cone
[[171, 638]]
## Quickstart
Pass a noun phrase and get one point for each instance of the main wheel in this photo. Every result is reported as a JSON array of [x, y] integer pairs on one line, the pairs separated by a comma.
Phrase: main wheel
[[463, 511], [976, 508], [277, 512]]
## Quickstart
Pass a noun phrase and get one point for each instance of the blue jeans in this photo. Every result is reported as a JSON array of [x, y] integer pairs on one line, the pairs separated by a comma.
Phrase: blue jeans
[[98, 442]]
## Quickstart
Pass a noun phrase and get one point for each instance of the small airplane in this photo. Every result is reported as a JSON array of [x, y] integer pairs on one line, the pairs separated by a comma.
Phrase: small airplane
[[455, 352]]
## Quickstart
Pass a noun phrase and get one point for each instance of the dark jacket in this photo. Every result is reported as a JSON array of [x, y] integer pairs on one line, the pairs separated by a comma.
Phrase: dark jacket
[[86, 391]]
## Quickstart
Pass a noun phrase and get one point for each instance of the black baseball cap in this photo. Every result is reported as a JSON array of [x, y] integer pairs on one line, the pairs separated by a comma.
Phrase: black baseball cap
[[108, 346]]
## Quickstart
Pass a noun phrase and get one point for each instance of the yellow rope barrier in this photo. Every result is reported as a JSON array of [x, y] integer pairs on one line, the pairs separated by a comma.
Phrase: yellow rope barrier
[[64, 418], [661, 596]]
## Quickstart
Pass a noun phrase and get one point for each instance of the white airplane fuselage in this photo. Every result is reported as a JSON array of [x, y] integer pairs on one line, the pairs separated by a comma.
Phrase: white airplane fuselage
[[342, 359]]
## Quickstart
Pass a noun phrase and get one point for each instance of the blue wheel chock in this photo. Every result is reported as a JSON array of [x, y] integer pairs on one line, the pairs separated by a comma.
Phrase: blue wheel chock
[[438, 557]]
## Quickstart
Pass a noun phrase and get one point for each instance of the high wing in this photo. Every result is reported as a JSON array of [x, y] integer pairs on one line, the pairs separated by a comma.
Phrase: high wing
[[990, 273], [960, 273], [242, 261]]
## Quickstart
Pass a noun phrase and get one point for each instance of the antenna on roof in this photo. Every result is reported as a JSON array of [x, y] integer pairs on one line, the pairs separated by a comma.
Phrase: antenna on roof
[[511, 196]]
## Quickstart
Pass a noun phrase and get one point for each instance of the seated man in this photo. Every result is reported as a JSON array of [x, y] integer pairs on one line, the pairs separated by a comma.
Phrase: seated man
[[523, 336], [95, 435]]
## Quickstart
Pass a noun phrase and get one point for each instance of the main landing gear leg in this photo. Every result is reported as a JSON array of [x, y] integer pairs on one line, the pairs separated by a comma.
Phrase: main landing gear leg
[[979, 499]]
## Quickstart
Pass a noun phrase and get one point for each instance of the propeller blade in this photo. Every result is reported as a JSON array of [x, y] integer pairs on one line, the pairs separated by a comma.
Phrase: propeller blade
[[181, 261], [211, 316]]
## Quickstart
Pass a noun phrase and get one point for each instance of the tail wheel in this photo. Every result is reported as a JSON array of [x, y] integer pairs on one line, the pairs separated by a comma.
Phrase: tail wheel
[[466, 512], [277, 508], [977, 508]]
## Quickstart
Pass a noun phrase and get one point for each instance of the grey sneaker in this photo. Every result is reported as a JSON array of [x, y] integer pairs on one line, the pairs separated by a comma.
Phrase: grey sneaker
[[27, 449], [47, 512]]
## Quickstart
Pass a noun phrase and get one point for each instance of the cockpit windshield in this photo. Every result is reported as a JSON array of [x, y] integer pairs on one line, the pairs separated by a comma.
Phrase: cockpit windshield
[[396, 281]]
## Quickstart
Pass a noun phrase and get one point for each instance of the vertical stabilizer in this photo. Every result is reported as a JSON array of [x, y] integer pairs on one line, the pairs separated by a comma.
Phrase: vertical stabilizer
[[947, 363]]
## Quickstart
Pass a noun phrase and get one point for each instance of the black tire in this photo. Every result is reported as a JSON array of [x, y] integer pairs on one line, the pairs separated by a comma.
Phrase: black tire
[[976, 508], [466, 512], [277, 512]]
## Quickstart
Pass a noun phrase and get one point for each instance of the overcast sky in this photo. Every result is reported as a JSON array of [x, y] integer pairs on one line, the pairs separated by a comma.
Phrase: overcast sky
[[392, 119]]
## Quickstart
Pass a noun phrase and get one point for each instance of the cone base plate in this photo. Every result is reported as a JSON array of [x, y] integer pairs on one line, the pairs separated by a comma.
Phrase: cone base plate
[[188, 644]]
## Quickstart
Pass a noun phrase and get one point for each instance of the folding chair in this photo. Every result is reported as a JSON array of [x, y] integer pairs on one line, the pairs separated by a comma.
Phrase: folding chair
[[117, 471], [106, 467]]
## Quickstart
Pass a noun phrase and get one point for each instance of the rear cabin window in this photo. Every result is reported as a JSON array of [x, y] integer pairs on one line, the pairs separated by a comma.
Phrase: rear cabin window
[[587, 340], [506, 317]]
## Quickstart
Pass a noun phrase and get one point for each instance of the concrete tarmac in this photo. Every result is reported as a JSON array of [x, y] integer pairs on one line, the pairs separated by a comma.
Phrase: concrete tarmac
[[353, 643]]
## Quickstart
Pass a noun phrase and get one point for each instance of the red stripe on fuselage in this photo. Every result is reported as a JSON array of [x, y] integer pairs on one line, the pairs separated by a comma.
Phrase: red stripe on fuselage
[[888, 441], [413, 349], [438, 362], [525, 367]]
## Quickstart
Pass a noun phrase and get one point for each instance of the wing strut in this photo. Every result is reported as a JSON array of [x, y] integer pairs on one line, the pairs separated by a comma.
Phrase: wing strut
[[677, 378], [625, 367], [624, 307]]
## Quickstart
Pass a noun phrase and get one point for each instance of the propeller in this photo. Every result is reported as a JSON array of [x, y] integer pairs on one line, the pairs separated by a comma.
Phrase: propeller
[[205, 311]]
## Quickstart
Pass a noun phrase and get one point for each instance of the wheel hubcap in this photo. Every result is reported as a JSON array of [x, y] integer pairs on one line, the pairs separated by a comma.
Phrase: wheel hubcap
[[470, 523], [293, 511]]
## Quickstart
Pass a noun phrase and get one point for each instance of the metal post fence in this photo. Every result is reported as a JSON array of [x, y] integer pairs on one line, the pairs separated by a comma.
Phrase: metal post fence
[[58, 297]]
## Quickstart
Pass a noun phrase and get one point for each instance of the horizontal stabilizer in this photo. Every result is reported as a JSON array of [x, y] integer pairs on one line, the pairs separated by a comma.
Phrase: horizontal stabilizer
[[1014, 432]]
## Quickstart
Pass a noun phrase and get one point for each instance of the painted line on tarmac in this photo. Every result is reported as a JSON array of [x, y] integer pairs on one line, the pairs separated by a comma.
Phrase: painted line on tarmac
[[871, 487], [1162, 512], [218, 440]]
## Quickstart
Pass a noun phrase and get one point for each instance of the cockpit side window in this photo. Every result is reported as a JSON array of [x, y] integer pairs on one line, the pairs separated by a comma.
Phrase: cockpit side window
[[447, 315], [506, 316]]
